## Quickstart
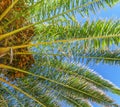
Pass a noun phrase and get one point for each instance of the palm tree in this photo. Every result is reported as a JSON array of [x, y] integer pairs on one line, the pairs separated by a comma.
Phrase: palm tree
[[43, 48]]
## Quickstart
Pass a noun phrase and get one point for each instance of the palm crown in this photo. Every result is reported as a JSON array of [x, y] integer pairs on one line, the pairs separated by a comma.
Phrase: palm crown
[[42, 46]]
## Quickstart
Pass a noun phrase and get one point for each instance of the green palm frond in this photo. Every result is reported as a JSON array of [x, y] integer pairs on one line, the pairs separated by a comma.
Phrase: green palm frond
[[57, 93], [47, 8], [76, 102], [97, 34], [13, 86], [3, 102], [104, 56], [58, 43], [77, 53], [82, 89], [58, 12], [77, 70], [11, 97], [40, 91]]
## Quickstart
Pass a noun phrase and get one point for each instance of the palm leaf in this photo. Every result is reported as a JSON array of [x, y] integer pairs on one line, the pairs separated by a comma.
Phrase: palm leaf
[[77, 70], [54, 75], [97, 34], [79, 88], [3, 80], [57, 15]]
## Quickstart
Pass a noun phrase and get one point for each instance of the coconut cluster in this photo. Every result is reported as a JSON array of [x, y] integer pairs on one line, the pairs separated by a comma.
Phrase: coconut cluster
[[15, 57]]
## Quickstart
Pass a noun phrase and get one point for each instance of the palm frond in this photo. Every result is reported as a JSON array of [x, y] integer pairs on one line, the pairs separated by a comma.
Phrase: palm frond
[[12, 96], [46, 8], [59, 42], [97, 34], [77, 70], [60, 8], [58, 12], [40, 91], [13, 86], [81, 88], [105, 56], [3, 102], [76, 102]]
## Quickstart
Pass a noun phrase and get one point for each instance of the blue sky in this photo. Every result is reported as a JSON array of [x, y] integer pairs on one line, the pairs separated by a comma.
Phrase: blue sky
[[107, 13], [110, 72]]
